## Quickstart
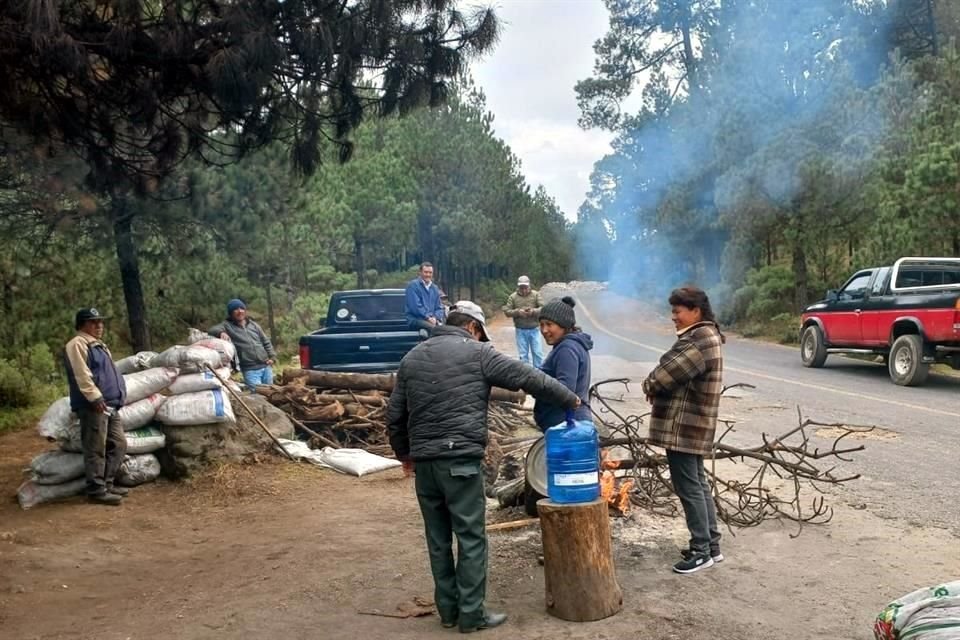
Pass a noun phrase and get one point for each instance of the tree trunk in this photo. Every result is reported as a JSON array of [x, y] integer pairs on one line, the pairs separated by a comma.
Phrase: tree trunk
[[129, 263], [578, 570], [359, 263], [801, 278], [375, 382], [689, 60], [270, 324]]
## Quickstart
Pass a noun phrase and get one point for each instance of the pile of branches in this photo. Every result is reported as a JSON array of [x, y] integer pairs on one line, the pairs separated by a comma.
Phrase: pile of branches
[[356, 418], [784, 476]]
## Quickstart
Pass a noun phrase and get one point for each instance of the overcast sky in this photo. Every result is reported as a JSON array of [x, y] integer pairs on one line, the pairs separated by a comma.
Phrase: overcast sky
[[545, 47]]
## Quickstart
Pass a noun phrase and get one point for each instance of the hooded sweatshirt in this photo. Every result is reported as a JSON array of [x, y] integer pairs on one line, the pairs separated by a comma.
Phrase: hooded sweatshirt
[[569, 363]]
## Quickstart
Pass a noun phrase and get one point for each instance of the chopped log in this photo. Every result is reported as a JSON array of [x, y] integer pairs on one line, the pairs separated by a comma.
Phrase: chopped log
[[374, 382], [514, 524], [323, 413], [581, 583]]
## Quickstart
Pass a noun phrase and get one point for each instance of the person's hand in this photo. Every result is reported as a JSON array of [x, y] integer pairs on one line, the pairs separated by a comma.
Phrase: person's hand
[[224, 336], [100, 406], [576, 405], [649, 399], [409, 468], [432, 320], [269, 362]]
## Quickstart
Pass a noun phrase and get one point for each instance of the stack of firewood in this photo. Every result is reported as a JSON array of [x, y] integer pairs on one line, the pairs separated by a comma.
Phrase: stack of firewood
[[349, 410]]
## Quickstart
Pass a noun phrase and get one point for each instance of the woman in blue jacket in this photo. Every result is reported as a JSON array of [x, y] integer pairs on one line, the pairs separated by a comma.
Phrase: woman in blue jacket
[[568, 362]]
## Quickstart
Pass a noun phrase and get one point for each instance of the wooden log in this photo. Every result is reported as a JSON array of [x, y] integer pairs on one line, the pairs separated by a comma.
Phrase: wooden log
[[581, 583], [374, 382], [513, 524], [510, 493]]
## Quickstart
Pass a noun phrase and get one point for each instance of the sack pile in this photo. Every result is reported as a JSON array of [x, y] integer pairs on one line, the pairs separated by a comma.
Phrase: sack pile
[[165, 390]]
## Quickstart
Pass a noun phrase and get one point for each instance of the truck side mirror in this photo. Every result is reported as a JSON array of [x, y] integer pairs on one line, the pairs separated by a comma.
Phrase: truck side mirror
[[832, 295], [322, 323]]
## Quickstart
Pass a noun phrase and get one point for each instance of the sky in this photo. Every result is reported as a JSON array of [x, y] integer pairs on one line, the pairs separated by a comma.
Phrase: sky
[[545, 47]]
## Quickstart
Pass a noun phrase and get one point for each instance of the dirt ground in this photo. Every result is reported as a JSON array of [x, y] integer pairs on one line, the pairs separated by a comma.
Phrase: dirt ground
[[275, 550]]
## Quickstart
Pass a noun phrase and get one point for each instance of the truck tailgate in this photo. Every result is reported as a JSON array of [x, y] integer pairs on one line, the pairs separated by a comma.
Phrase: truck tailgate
[[360, 352]]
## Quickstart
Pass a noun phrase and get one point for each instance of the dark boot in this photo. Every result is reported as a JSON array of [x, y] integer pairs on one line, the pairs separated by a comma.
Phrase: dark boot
[[489, 621], [111, 499], [117, 491]]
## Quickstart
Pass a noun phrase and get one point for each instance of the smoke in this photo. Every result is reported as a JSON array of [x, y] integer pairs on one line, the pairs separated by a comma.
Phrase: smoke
[[783, 100]]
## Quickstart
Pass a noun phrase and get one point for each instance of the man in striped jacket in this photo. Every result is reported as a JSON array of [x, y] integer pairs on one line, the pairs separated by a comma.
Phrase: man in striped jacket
[[684, 390]]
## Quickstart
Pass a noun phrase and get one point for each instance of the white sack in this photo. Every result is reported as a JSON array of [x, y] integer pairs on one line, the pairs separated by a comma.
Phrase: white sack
[[188, 359], [137, 470], [195, 335], [57, 420], [192, 382], [140, 413], [30, 494], [56, 467], [226, 349], [137, 362], [202, 407], [145, 440], [146, 383], [70, 440], [355, 462], [932, 613]]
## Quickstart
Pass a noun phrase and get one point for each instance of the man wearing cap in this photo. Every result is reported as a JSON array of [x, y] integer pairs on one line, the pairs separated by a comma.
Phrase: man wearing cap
[[523, 306], [254, 349], [422, 303], [437, 420], [97, 391]]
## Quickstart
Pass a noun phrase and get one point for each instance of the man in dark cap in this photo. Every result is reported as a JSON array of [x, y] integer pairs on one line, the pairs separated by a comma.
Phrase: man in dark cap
[[437, 420], [254, 349], [97, 391]]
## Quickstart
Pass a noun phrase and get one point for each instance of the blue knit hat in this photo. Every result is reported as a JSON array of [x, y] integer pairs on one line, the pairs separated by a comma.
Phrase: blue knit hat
[[235, 304]]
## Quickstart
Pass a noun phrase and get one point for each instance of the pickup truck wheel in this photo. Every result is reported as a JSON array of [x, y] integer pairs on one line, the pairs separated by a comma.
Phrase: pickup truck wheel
[[813, 348], [905, 363]]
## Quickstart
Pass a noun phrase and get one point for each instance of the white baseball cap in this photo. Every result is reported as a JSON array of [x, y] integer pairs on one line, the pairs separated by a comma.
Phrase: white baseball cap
[[473, 310], [523, 281]]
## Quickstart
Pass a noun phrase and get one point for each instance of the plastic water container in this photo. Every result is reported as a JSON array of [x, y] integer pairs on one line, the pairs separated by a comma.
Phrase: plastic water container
[[573, 462]]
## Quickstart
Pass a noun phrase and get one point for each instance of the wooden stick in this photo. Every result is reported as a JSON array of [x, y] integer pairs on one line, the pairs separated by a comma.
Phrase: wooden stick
[[255, 417], [513, 524], [313, 434]]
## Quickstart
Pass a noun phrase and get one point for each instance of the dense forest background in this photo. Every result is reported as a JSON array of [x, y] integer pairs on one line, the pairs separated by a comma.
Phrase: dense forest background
[[158, 159]]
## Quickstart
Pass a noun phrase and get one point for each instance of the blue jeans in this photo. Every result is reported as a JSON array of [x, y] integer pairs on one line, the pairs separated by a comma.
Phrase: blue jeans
[[253, 377], [529, 346]]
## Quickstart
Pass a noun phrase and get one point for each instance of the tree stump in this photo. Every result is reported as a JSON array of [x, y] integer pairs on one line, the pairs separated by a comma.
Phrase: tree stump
[[581, 582]]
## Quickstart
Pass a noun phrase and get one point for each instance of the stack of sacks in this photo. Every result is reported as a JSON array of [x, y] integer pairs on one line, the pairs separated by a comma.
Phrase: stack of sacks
[[173, 388]]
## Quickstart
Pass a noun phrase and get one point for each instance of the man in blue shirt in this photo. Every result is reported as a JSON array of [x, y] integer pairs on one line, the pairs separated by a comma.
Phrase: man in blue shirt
[[423, 307]]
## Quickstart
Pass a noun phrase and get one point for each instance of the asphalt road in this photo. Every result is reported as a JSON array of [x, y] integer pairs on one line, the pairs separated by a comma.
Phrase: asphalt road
[[912, 473]]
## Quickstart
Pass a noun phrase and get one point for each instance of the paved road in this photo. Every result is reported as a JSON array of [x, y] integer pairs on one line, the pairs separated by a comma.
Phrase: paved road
[[913, 476]]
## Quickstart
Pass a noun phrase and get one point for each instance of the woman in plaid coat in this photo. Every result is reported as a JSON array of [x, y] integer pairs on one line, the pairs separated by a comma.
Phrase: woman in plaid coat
[[684, 390]]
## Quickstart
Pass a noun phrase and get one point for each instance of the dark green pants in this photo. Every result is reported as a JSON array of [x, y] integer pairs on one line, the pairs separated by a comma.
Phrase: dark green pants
[[104, 446], [450, 493]]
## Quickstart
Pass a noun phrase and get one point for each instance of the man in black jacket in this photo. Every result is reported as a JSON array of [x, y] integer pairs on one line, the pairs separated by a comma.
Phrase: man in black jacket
[[437, 420]]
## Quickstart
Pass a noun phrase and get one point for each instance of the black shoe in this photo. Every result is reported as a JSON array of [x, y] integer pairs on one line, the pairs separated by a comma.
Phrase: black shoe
[[490, 620], [118, 491], [693, 564], [111, 499], [448, 624], [715, 555]]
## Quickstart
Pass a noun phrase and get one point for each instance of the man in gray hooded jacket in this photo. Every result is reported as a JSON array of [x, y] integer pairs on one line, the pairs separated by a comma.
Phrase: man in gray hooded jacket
[[437, 419]]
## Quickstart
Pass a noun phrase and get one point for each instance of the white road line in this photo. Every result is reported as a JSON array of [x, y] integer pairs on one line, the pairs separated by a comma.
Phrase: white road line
[[765, 376]]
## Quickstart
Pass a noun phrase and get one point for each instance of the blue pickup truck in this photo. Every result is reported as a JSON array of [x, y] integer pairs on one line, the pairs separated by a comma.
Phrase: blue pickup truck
[[365, 331]]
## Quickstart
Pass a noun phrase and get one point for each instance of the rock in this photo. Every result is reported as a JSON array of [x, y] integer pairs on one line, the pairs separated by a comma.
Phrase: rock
[[189, 448]]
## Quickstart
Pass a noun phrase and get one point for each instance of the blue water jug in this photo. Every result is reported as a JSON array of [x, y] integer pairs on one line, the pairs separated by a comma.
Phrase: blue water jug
[[573, 461]]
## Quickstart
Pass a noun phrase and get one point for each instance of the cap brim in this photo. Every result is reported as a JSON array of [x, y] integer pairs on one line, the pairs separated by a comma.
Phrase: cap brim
[[483, 330]]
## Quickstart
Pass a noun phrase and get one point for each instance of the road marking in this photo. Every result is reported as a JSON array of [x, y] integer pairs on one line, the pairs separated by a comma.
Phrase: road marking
[[765, 376]]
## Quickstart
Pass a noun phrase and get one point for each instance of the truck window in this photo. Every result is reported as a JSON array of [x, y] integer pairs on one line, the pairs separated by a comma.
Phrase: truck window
[[880, 283], [369, 309], [857, 287]]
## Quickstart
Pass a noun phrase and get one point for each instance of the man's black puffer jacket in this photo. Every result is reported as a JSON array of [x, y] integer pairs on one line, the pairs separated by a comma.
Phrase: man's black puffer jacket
[[438, 408]]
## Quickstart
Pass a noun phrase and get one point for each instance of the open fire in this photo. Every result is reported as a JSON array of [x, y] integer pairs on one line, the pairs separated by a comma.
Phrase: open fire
[[615, 491]]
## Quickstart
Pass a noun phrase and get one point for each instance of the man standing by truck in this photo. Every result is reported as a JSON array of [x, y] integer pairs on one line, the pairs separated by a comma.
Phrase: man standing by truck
[[97, 391], [254, 349], [423, 307], [523, 306], [437, 420]]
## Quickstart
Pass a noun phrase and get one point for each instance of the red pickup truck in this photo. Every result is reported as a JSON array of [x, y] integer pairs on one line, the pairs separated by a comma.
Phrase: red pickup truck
[[908, 313]]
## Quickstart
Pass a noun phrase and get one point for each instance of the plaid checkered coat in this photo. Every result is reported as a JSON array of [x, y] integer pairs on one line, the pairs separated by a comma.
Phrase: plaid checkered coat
[[685, 388]]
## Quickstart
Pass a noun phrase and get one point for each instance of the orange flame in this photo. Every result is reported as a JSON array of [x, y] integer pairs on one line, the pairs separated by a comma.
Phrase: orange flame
[[615, 496]]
